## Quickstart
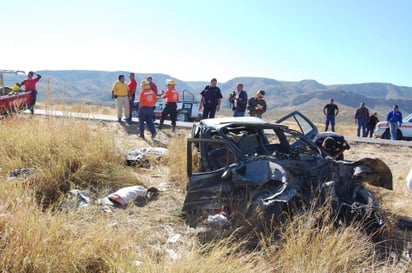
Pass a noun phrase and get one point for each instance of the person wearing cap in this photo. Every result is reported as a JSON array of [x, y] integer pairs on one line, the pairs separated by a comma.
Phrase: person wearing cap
[[332, 143], [210, 99], [394, 118], [132, 87], [372, 121], [30, 85], [257, 105], [147, 101], [120, 92], [330, 110], [171, 96], [239, 101]]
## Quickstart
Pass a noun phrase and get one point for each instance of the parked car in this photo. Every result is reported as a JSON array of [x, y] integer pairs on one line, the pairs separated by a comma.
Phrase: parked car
[[11, 100], [404, 131], [261, 168], [187, 108]]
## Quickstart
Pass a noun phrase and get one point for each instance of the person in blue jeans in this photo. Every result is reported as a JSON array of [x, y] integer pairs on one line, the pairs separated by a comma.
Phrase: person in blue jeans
[[238, 99], [330, 110], [394, 119], [362, 117]]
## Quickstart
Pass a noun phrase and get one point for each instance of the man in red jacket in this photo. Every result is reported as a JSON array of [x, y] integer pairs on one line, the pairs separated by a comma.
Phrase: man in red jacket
[[30, 85]]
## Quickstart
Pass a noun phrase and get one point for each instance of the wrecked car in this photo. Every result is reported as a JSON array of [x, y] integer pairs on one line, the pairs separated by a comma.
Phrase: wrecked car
[[246, 165]]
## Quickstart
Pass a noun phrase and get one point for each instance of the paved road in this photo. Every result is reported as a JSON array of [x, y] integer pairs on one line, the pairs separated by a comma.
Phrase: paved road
[[190, 124]]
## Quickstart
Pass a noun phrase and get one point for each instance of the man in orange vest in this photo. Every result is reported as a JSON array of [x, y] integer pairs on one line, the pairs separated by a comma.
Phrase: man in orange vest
[[171, 97], [147, 100]]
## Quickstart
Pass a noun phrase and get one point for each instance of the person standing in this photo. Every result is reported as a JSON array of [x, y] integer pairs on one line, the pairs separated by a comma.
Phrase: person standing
[[239, 101], [210, 100], [147, 100], [257, 105], [330, 110], [132, 87], [394, 118], [361, 117], [372, 121], [30, 85], [153, 86], [120, 92], [171, 97]]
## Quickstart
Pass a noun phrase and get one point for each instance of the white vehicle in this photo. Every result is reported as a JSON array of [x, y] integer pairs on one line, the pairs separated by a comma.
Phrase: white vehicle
[[187, 109], [404, 131]]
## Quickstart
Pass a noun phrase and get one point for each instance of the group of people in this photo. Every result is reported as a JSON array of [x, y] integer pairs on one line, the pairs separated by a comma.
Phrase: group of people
[[211, 99], [125, 95], [29, 85], [366, 123]]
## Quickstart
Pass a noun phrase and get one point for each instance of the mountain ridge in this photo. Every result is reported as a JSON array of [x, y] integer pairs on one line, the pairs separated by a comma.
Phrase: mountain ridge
[[94, 86]]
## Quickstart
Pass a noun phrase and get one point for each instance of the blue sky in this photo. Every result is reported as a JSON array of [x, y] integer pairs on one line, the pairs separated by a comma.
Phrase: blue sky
[[330, 41]]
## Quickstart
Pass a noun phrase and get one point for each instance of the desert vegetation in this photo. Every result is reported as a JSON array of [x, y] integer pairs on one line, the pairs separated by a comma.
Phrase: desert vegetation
[[59, 154]]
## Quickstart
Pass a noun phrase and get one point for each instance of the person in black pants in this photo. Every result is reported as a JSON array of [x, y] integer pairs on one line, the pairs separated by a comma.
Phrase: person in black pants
[[210, 100], [171, 97]]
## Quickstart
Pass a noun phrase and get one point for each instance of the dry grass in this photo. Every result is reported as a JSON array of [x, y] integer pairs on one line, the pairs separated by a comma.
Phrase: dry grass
[[36, 236]]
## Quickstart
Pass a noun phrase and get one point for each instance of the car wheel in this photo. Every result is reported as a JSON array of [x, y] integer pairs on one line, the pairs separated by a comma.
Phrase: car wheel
[[399, 135], [386, 134], [182, 116], [261, 212]]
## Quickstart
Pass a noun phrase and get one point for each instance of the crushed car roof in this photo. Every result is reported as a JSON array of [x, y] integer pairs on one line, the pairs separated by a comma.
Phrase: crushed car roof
[[218, 123]]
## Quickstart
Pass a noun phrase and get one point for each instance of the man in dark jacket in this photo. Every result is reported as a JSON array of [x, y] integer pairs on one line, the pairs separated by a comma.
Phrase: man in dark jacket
[[238, 99], [257, 105], [210, 100], [372, 121]]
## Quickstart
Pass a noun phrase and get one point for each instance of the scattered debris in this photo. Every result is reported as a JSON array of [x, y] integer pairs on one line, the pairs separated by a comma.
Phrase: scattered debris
[[121, 198], [126, 195], [138, 157], [21, 172], [76, 199]]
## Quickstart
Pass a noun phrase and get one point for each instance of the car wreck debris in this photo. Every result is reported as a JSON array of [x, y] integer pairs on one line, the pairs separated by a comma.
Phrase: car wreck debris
[[268, 168], [139, 157]]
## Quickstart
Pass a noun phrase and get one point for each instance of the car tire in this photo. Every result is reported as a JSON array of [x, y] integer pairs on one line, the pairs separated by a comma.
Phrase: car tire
[[182, 116], [387, 135], [399, 135]]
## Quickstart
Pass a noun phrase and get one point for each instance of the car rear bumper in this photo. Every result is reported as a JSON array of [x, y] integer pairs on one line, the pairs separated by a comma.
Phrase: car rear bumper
[[379, 132]]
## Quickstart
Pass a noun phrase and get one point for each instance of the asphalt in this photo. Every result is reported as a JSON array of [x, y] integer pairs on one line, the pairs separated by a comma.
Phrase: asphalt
[[190, 125]]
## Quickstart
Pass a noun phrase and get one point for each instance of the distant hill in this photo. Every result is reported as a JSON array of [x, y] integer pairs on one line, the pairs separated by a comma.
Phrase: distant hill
[[74, 86]]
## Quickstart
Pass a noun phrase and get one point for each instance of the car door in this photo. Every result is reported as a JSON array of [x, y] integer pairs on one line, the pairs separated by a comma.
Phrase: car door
[[298, 122], [207, 183]]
